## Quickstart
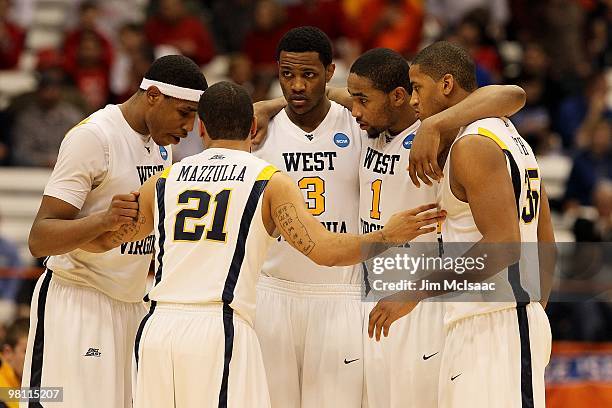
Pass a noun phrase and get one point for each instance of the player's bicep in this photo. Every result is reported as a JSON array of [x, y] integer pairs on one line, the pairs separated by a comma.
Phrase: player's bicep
[[54, 208], [480, 167], [289, 214]]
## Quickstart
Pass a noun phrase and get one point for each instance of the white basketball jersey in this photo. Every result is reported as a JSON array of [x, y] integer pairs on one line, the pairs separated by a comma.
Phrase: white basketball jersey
[[385, 185], [324, 164], [210, 237], [459, 225], [132, 158]]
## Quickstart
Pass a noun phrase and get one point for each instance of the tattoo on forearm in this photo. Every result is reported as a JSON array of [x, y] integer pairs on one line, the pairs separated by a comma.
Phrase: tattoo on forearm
[[294, 230], [127, 231]]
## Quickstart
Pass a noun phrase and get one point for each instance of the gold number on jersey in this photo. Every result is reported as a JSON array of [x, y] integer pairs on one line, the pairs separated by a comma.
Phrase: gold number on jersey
[[217, 231], [532, 181], [376, 189], [315, 188]]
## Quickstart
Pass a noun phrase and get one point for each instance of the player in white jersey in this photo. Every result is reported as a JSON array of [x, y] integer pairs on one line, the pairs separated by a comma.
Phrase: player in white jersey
[[86, 307], [309, 317], [497, 343], [402, 370], [196, 347]]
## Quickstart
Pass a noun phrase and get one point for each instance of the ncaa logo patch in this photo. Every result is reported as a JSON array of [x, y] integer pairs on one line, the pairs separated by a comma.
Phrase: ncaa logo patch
[[163, 152], [341, 140], [408, 141]]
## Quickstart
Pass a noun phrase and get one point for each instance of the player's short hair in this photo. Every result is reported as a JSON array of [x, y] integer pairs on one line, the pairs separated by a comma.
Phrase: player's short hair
[[442, 58], [177, 70], [306, 39], [16, 331], [386, 69], [226, 109]]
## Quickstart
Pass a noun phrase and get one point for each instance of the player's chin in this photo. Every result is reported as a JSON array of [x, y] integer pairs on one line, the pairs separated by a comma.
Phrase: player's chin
[[170, 139], [300, 107]]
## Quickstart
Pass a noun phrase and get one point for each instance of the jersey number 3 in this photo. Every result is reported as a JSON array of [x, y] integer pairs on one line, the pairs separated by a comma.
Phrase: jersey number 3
[[216, 231], [315, 188]]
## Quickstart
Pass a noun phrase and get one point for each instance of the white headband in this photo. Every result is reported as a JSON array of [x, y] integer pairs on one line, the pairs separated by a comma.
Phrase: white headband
[[178, 92]]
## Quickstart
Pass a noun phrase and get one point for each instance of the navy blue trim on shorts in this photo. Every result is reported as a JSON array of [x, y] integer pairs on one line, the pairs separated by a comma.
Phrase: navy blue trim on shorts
[[228, 331], [140, 330], [39, 338], [526, 369], [230, 284]]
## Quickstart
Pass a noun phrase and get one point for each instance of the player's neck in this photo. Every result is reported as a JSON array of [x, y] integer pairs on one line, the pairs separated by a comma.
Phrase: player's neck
[[311, 120], [405, 119], [244, 145], [132, 113]]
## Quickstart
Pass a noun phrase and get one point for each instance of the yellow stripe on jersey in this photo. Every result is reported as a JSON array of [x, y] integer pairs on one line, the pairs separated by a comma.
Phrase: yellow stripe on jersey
[[165, 172], [84, 121], [492, 136], [267, 173]]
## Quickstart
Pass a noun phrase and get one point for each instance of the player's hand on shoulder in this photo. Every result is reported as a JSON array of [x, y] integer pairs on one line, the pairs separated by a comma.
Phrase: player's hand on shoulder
[[423, 159], [262, 128], [122, 210], [264, 111], [388, 310], [406, 225]]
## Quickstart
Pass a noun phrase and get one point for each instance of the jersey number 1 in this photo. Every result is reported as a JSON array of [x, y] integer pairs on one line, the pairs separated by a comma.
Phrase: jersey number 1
[[214, 233]]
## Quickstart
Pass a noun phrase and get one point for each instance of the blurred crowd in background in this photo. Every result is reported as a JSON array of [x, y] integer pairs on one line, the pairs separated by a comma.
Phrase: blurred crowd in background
[[83, 55]]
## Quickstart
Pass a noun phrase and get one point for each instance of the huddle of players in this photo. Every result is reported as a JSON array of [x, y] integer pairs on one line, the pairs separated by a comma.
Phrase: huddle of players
[[309, 319]]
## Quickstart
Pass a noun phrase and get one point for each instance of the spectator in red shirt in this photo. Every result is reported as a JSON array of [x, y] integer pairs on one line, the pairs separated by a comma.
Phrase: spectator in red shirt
[[327, 15], [91, 73], [88, 17], [260, 43], [174, 27], [395, 24], [12, 39]]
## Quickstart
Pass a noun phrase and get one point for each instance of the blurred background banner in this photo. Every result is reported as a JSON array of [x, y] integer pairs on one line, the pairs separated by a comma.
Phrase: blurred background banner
[[579, 375]]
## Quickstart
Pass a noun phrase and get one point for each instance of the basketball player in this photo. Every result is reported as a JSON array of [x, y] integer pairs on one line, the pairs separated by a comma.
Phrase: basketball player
[[402, 370], [86, 307], [309, 318], [196, 347], [495, 352]]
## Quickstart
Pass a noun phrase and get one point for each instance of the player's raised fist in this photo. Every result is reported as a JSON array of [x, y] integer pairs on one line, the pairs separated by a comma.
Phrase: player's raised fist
[[122, 210]]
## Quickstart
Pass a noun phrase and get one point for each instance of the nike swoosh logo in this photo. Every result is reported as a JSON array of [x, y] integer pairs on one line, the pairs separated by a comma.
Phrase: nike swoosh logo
[[428, 357], [453, 378], [349, 361]]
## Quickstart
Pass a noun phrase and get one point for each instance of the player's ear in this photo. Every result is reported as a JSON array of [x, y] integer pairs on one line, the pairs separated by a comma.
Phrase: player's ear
[[153, 95], [253, 130], [399, 96], [201, 126], [204, 134], [447, 83], [329, 72]]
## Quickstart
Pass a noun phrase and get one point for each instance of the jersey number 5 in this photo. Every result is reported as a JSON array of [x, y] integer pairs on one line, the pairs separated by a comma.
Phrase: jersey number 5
[[214, 233], [530, 210]]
